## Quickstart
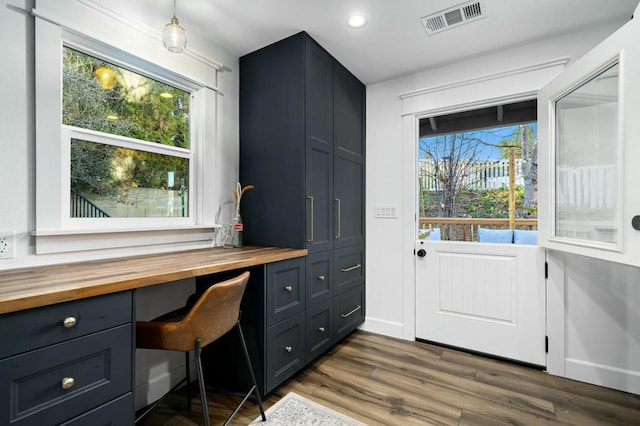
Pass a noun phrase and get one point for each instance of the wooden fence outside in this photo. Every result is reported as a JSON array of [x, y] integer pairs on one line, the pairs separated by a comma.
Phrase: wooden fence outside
[[466, 229]]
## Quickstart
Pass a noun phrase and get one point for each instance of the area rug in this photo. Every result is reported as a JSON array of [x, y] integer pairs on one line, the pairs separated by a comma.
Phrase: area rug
[[294, 410]]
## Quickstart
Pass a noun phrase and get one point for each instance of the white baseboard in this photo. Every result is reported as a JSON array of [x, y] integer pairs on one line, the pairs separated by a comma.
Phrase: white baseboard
[[603, 375], [386, 328]]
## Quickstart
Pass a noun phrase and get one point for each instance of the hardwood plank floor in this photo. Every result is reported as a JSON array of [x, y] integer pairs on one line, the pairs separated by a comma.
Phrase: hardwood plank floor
[[384, 381]]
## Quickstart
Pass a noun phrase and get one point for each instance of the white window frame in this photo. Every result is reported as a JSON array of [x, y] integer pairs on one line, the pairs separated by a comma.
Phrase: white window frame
[[56, 231]]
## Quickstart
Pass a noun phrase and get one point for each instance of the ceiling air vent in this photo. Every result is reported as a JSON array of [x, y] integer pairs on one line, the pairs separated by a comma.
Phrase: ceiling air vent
[[453, 17]]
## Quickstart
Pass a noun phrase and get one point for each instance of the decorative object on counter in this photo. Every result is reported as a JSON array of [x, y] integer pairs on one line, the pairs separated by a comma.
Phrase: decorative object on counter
[[237, 219], [227, 235]]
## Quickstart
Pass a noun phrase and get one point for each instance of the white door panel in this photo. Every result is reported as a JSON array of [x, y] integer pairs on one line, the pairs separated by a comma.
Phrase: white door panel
[[488, 298]]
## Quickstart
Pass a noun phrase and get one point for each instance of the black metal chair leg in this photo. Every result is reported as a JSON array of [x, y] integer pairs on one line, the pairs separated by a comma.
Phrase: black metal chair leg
[[203, 391], [188, 378], [256, 391]]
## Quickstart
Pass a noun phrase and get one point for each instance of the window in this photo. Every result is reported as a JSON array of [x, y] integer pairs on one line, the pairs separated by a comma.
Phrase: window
[[478, 174], [128, 139], [125, 138]]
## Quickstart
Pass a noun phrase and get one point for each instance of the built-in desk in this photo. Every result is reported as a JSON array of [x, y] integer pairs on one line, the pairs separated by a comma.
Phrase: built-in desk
[[67, 331]]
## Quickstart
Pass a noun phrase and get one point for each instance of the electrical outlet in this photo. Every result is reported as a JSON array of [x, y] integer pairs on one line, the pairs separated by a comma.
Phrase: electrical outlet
[[6, 245]]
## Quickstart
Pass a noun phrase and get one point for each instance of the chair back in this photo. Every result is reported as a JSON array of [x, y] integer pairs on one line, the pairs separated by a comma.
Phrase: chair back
[[215, 313]]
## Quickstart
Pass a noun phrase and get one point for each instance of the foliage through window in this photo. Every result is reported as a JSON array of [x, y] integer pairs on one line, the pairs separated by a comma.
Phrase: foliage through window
[[464, 181], [129, 141]]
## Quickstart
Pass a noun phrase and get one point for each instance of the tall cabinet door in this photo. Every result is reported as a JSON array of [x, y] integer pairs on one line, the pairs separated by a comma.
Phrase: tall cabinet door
[[348, 115], [319, 148], [272, 149], [589, 151]]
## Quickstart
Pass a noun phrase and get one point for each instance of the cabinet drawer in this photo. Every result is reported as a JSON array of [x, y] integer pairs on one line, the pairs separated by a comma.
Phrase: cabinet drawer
[[285, 289], [31, 391], [319, 329], [319, 270], [348, 311], [285, 350], [349, 268], [44, 326], [115, 413]]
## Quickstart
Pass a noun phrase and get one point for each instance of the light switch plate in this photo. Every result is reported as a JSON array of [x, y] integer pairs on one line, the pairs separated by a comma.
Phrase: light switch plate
[[386, 211]]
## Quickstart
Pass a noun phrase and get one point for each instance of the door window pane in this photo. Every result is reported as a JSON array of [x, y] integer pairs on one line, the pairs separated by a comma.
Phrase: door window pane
[[479, 184], [586, 165]]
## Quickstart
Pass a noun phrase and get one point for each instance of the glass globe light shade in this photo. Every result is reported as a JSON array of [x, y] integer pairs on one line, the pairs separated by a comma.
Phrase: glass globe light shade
[[174, 36]]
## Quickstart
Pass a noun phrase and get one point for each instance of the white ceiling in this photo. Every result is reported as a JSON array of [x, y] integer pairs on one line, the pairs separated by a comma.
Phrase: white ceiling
[[394, 43]]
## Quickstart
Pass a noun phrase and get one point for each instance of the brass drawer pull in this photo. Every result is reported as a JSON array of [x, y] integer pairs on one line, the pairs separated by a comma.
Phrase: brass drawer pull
[[348, 314], [69, 322], [67, 383], [288, 349], [354, 267], [321, 329], [321, 277], [288, 289]]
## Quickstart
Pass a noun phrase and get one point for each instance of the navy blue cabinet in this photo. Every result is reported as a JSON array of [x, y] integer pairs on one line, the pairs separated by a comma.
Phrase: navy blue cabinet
[[69, 363], [302, 132], [302, 144]]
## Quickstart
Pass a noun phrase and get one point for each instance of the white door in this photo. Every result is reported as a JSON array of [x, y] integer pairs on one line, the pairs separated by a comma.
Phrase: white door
[[589, 153], [488, 298]]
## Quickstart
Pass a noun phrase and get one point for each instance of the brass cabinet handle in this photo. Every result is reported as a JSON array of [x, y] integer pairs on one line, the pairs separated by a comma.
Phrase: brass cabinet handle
[[67, 383], [321, 329], [348, 314], [321, 277], [310, 240], [288, 289], [69, 322], [338, 234], [288, 349], [354, 267]]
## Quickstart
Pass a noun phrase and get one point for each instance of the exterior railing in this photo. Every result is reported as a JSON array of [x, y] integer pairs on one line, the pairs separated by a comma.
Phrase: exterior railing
[[466, 229], [81, 207]]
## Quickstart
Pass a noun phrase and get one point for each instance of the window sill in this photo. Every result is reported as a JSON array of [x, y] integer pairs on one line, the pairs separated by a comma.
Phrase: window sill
[[66, 241]]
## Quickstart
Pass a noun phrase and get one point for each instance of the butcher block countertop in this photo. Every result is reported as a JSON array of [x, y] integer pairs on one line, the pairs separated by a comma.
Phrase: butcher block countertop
[[32, 287]]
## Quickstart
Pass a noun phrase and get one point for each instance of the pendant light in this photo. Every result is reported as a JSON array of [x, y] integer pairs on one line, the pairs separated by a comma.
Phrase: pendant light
[[174, 36]]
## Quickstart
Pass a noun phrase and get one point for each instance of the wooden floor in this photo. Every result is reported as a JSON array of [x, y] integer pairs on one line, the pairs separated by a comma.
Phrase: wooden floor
[[380, 380]]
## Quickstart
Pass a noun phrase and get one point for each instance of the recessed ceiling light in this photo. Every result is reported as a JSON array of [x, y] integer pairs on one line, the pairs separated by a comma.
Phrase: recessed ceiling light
[[356, 21]]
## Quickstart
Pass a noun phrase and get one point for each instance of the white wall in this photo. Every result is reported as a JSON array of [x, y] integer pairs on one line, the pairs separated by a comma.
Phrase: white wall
[[155, 371], [391, 180]]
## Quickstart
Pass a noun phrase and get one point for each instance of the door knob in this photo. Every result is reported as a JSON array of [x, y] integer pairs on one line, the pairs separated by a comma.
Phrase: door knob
[[421, 253], [635, 222]]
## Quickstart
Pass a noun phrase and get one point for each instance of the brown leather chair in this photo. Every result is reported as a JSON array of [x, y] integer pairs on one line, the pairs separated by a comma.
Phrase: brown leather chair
[[214, 314]]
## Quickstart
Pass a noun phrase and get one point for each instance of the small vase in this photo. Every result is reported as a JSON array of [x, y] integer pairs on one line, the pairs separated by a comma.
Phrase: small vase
[[237, 229], [227, 235]]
